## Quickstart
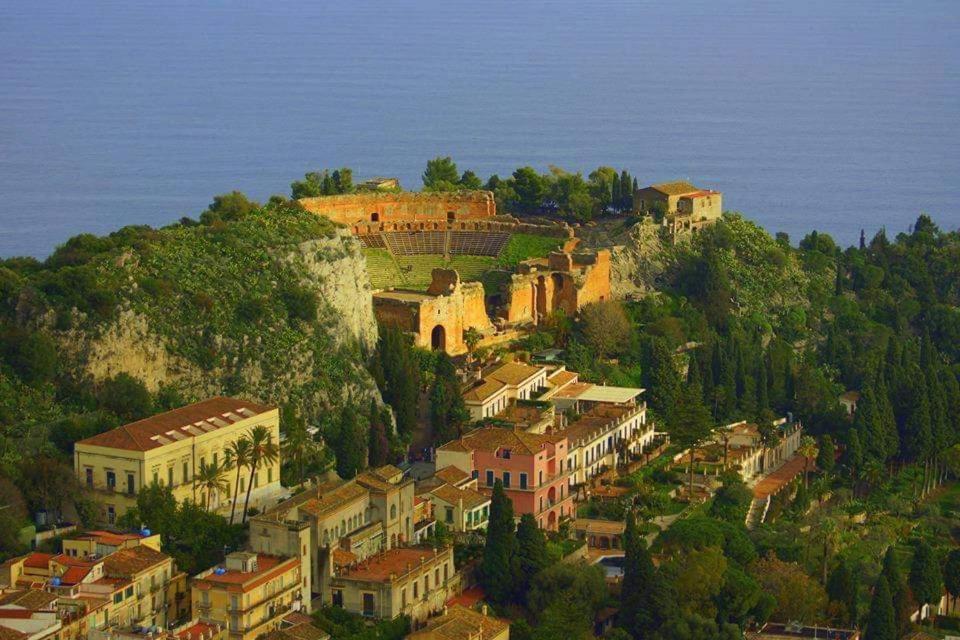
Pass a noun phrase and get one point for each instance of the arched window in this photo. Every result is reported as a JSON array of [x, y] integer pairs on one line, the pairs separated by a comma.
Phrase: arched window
[[393, 511]]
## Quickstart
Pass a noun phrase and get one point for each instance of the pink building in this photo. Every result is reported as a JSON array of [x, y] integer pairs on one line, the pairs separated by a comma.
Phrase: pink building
[[531, 467]]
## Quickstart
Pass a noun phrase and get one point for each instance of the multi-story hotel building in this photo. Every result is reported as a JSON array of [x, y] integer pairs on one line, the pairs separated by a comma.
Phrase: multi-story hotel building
[[170, 448], [532, 467]]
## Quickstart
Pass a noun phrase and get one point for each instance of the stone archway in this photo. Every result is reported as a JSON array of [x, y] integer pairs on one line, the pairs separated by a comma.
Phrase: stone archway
[[556, 299], [374, 217], [438, 338]]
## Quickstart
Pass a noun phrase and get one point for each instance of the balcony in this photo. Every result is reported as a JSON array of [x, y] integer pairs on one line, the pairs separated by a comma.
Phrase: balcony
[[111, 489]]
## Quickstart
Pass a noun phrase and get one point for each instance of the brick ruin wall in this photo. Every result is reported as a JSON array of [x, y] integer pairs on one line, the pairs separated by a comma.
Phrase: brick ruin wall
[[568, 282], [404, 206]]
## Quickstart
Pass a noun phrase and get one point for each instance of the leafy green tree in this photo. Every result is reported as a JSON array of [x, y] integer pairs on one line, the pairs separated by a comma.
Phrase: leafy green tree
[[126, 397], [926, 580], [738, 598], [798, 596], [441, 174], [606, 327], [229, 207], [35, 357], [531, 553], [881, 621], [497, 568], [732, 500]]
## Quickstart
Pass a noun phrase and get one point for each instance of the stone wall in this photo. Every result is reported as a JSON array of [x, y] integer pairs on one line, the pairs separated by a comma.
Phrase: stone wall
[[405, 206], [502, 224]]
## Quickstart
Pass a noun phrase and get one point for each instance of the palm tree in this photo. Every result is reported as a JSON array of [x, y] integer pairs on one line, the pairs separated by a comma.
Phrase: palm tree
[[263, 450], [237, 454], [808, 449], [212, 479], [299, 445]]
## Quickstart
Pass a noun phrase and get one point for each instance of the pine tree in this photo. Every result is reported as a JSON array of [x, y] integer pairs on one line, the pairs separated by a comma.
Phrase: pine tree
[[826, 456], [531, 553], [348, 443], [881, 622], [615, 195], [626, 191], [926, 580], [763, 391], [690, 423], [497, 566]]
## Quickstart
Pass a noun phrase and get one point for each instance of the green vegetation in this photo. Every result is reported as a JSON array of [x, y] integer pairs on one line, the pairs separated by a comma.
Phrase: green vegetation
[[523, 246]]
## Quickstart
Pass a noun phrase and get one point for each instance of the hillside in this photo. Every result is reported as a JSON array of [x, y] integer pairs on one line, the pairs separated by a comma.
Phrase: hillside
[[273, 305]]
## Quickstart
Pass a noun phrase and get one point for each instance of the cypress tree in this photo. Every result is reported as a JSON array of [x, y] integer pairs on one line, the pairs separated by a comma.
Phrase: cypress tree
[[826, 455], [881, 623], [448, 413], [763, 392], [853, 456], [842, 588], [378, 449], [497, 567], [616, 198], [900, 594], [645, 598], [627, 187], [531, 553], [951, 574], [926, 580]]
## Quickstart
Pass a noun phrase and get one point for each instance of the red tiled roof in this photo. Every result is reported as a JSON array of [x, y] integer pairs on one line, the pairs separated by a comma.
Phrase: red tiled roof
[[74, 575], [186, 422], [395, 561], [195, 631], [128, 562], [268, 567], [109, 538], [468, 598], [38, 560]]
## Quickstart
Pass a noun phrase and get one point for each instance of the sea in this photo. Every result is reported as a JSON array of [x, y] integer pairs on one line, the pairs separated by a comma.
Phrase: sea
[[836, 115]]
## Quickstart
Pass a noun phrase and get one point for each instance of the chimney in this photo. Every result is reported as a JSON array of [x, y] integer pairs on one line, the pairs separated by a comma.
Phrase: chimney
[[483, 610]]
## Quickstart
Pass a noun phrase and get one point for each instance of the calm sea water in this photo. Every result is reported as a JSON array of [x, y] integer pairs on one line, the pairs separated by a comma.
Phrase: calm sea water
[[834, 115]]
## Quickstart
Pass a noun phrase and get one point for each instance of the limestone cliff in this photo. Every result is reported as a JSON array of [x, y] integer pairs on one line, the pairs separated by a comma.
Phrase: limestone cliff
[[276, 308]]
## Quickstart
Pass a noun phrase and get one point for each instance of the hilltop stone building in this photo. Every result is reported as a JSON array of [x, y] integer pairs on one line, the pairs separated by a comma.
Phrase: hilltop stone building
[[685, 208]]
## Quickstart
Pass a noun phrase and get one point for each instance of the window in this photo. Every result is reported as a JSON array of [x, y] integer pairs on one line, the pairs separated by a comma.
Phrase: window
[[436, 576], [474, 474], [523, 481], [89, 475], [505, 454], [393, 511], [156, 478], [416, 589], [368, 608], [426, 584], [449, 515], [186, 471], [129, 592], [170, 476], [540, 477], [111, 480], [111, 514], [131, 488], [403, 598], [118, 597], [445, 571], [506, 479], [489, 478], [269, 475]]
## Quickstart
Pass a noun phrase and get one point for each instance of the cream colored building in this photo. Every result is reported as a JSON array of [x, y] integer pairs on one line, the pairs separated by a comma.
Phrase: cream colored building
[[461, 509], [351, 520], [502, 385], [250, 593], [412, 581], [169, 449]]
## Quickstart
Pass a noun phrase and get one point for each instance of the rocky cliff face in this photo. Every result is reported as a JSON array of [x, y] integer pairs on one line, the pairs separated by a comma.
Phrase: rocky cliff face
[[208, 314]]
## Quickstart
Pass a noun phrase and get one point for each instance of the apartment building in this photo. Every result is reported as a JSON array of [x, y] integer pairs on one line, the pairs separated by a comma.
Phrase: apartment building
[[412, 581], [359, 517], [94, 544], [170, 448], [250, 593], [532, 467]]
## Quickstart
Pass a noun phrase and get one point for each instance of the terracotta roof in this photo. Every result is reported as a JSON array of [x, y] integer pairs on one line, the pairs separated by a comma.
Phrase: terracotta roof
[[453, 495], [268, 567], [483, 391], [38, 560], [396, 561], [75, 575], [493, 438], [561, 378], [574, 390], [197, 630], [461, 623], [299, 631], [33, 599], [372, 481], [329, 497], [678, 188], [513, 373], [702, 193], [343, 558], [387, 472], [178, 424], [452, 475], [468, 597], [126, 563], [109, 538]]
